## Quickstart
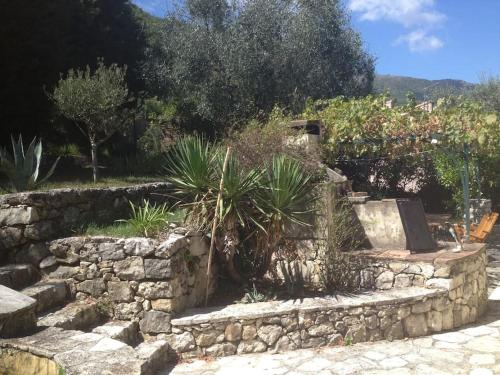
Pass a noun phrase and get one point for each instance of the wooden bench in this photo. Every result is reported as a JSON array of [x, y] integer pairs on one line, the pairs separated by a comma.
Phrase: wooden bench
[[480, 232]]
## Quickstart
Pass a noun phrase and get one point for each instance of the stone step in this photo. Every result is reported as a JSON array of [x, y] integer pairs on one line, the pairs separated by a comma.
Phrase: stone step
[[74, 316], [17, 313], [49, 294], [154, 355], [18, 276], [121, 330]]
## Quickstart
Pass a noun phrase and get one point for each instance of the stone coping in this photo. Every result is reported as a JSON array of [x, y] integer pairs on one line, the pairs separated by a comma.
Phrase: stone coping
[[12, 302], [442, 256], [276, 308], [22, 197]]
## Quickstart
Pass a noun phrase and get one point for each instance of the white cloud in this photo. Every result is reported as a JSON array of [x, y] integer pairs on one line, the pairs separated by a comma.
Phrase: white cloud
[[406, 12], [420, 41], [420, 15]]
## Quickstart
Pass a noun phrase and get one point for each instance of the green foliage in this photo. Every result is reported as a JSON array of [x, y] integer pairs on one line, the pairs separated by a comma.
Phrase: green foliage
[[119, 230], [488, 93], [254, 296], [229, 61], [339, 270], [94, 101], [255, 202], [148, 219], [22, 168]]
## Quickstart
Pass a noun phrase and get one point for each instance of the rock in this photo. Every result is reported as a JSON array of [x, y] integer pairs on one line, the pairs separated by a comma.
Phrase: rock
[[130, 269], [168, 305], [64, 272], [233, 332], [155, 322], [221, 350], [270, 334], [142, 247], [435, 321], [33, 254], [93, 287], [39, 231], [384, 280], [427, 270], [440, 283], [11, 237], [121, 330], [159, 269], [182, 342], [154, 354], [249, 333], [156, 290], [120, 291], [356, 333], [421, 307], [18, 216], [48, 262], [206, 339], [394, 332], [321, 330], [171, 246], [125, 311], [284, 344], [403, 281], [415, 325], [111, 251], [252, 346]]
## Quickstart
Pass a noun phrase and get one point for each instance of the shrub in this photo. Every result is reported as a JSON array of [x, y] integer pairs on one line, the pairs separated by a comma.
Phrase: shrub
[[22, 168], [340, 270], [148, 219]]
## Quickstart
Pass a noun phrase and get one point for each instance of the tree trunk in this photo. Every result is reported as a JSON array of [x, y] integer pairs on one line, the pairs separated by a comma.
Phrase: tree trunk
[[95, 166], [226, 248]]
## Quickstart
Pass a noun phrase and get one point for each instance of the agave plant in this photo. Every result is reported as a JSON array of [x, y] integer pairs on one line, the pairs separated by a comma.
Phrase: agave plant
[[22, 168]]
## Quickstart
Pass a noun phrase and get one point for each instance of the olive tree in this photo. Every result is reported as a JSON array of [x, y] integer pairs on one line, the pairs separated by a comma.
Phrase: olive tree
[[95, 102]]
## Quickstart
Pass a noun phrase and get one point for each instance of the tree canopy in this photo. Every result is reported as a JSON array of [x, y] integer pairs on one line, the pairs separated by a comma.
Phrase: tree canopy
[[228, 61]]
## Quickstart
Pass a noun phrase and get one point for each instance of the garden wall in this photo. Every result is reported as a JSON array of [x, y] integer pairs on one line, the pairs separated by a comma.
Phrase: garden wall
[[415, 296], [28, 219], [136, 278]]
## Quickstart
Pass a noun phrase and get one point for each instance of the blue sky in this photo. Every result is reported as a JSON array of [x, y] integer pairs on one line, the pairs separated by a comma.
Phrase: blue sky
[[431, 39]]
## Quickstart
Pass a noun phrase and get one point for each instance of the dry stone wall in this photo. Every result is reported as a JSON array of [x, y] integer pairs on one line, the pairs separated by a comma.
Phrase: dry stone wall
[[28, 219], [409, 299], [135, 278]]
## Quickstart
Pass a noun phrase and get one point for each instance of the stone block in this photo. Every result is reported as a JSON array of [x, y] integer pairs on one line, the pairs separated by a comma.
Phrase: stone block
[[93, 287], [159, 269], [171, 246], [233, 332], [415, 325], [385, 280], [18, 216], [270, 334], [155, 322], [142, 247], [157, 290], [120, 291], [130, 269]]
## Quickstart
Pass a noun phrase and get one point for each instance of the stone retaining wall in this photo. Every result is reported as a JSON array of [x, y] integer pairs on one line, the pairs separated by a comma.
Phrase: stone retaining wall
[[28, 218], [451, 292], [135, 278]]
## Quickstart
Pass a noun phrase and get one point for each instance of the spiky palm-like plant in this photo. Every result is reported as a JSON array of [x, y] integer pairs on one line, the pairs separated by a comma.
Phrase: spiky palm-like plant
[[22, 168]]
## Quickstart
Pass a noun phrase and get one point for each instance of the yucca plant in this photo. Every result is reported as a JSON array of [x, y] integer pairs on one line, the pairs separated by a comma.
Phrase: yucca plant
[[285, 197], [22, 168], [148, 219]]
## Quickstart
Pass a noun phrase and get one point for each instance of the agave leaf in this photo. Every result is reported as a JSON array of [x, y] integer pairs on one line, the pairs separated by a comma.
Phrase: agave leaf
[[50, 172]]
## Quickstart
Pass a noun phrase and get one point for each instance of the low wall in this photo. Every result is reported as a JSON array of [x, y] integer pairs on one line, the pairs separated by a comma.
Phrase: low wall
[[136, 278], [27, 219], [414, 295]]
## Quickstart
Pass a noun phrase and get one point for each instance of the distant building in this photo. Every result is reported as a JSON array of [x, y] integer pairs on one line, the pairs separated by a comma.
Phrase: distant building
[[427, 106]]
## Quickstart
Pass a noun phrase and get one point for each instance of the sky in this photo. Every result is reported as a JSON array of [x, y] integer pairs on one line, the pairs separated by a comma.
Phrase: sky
[[433, 39]]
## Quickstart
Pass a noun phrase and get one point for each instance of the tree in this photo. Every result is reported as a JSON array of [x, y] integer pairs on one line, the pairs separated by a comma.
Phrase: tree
[[228, 61], [95, 102], [488, 93]]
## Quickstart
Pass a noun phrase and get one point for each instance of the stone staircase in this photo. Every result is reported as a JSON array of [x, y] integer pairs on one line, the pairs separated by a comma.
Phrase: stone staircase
[[45, 321]]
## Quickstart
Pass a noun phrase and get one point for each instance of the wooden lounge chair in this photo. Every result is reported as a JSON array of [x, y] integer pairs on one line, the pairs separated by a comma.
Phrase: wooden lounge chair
[[480, 232]]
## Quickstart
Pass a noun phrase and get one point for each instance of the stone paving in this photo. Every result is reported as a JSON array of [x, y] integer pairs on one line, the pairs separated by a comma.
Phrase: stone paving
[[473, 350]]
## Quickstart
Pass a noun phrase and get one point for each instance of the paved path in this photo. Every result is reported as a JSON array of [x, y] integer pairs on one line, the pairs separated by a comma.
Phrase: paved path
[[474, 350]]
